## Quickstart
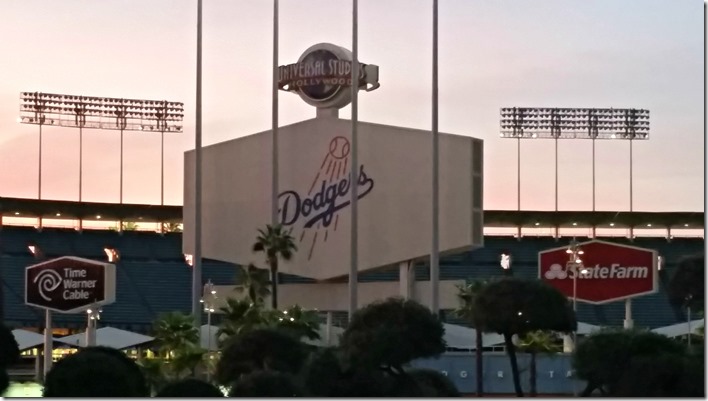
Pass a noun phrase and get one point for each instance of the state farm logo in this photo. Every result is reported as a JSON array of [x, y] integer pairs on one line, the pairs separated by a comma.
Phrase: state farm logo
[[614, 271]]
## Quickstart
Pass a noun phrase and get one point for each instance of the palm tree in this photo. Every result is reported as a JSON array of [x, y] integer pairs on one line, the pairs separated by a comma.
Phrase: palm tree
[[175, 331], [255, 283], [241, 316], [276, 243], [467, 294], [535, 342], [299, 323]]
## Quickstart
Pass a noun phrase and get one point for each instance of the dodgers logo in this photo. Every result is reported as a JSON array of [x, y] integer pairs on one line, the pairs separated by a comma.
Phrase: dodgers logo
[[318, 210]]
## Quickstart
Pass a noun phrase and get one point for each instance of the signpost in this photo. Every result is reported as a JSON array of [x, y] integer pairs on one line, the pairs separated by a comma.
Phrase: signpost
[[613, 272], [68, 285]]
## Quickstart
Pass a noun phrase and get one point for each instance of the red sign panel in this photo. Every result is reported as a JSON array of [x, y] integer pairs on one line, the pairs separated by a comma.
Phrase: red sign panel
[[609, 272], [69, 284]]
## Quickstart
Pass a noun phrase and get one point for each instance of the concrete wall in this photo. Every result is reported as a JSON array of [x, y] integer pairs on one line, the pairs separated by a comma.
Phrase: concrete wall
[[335, 296], [554, 373], [394, 206]]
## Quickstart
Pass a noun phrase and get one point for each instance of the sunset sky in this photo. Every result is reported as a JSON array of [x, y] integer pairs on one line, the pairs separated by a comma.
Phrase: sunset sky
[[493, 53]]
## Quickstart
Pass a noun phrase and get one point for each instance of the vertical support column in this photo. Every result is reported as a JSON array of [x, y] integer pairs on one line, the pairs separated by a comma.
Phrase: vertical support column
[[39, 190], [556, 151], [518, 173], [631, 183], [48, 341], [593, 174], [81, 162], [274, 121], [628, 322], [406, 279], [328, 329], [162, 166], [434, 253], [354, 224], [197, 257], [275, 165]]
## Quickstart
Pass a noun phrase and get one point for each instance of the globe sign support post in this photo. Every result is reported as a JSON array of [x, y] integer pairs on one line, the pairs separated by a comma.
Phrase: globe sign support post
[[574, 123], [103, 113], [329, 77], [69, 285]]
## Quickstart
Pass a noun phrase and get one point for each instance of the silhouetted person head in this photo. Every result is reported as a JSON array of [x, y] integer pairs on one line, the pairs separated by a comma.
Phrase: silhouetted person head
[[9, 354], [190, 388], [96, 372], [265, 383]]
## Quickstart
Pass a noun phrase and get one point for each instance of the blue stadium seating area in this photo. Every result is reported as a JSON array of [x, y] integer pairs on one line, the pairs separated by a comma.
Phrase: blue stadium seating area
[[152, 277]]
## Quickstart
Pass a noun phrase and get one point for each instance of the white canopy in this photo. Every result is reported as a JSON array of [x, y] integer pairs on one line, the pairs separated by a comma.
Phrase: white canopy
[[108, 337], [586, 328], [27, 339], [680, 329], [462, 337]]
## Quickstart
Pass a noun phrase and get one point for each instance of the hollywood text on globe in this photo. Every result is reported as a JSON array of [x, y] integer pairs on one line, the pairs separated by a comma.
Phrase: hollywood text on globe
[[322, 73]]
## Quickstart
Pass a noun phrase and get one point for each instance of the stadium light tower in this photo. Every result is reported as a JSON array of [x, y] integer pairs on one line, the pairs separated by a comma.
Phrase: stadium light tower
[[574, 123], [101, 113]]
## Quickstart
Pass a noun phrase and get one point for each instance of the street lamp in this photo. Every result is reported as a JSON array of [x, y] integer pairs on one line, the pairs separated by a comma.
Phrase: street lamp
[[209, 302], [93, 315], [574, 262]]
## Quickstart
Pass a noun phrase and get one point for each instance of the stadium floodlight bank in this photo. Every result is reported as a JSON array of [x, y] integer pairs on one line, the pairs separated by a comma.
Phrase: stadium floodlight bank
[[104, 113], [101, 112], [574, 123]]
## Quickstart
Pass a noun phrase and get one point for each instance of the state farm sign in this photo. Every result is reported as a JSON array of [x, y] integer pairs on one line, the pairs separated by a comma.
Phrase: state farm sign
[[609, 272], [69, 284]]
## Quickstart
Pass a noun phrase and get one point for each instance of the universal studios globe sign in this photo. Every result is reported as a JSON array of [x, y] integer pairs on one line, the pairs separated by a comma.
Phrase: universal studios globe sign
[[323, 75]]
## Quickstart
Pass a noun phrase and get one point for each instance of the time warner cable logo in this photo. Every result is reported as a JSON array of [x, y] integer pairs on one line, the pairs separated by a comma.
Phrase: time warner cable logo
[[49, 280]]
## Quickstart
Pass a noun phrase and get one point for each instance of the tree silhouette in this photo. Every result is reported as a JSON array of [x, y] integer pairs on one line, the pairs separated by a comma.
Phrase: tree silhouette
[[467, 294], [388, 334], [513, 306], [276, 243]]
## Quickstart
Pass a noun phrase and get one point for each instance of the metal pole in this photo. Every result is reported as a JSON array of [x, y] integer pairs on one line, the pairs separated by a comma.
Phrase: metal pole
[[354, 251], [518, 173], [630, 175], [434, 253], [81, 160], [593, 174], [121, 164], [39, 191], [48, 341], [274, 128], [39, 195], [208, 370], [628, 323], [556, 146], [162, 166], [197, 257]]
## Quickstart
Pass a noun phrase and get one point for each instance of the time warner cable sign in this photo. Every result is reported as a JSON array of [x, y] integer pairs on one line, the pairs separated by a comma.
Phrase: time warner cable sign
[[314, 183], [69, 284]]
